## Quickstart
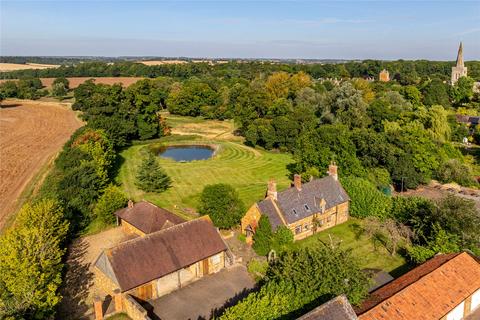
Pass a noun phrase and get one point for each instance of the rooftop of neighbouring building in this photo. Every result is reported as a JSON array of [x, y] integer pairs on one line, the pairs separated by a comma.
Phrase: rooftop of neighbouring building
[[336, 309], [432, 289], [147, 217]]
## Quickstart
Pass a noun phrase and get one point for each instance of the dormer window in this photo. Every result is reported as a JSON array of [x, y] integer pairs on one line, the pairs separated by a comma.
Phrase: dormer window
[[306, 207], [295, 212]]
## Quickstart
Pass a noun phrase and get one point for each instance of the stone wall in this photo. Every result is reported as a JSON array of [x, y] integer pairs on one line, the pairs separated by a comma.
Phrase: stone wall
[[133, 309], [103, 283], [129, 229]]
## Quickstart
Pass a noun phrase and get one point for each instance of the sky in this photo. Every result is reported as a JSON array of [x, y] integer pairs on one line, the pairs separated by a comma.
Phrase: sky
[[248, 29]]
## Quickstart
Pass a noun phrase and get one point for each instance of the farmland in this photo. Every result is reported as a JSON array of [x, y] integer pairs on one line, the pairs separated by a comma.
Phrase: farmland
[[31, 133], [76, 81], [5, 67]]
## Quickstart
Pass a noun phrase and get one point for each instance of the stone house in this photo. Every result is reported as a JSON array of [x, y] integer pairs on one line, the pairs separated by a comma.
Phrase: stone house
[[304, 208], [384, 76], [157, 263], [142, 218], [446, 287]]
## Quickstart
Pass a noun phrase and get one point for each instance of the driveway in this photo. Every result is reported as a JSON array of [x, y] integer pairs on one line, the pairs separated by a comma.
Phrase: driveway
[[204, 298], [79, 287]]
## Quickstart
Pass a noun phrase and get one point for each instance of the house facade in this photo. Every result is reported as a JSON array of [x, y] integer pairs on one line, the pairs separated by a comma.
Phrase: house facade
[[384, 76], [155, 264], [305, 208], [446, 287]]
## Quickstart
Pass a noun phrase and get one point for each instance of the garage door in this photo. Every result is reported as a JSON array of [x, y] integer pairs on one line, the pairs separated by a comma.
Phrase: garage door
[[457, 313], [476, 300], [167, 284]]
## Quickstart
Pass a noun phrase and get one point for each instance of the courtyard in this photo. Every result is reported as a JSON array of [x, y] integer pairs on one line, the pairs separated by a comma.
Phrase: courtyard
[[205, 298]]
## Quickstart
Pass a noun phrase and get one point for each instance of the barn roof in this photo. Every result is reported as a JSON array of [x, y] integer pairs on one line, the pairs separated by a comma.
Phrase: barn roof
[[292, 203], [147, 217], [135, 262], [432, 290], [336, 309]]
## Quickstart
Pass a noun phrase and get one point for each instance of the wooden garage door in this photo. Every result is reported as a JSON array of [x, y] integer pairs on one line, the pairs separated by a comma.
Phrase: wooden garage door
[[145, 292]]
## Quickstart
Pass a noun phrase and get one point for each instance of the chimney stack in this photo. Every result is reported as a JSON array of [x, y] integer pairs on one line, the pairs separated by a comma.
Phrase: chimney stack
[[333, 170], [297, 181], [272, 189], [130, 204]]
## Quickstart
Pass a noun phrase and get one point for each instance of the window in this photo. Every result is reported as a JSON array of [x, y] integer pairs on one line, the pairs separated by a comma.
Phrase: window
[[294, 212], [329, 219], [216, 259], [306, 207], [298, 229], [306, 227]]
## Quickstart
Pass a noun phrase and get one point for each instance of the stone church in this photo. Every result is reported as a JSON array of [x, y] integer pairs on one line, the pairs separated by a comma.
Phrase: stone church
[[459, 70]]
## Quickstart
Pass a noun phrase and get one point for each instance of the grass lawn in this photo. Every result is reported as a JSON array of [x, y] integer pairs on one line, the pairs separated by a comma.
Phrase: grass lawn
[[246, 169], [119, 316], [349, 233]]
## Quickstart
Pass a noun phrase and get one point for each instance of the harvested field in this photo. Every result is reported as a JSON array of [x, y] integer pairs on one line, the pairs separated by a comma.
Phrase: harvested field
[[31, 134], [76, 81], [5, 67], [161, 62]]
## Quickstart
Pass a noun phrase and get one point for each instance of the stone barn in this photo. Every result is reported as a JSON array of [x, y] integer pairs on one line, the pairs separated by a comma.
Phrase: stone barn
[[155, 264]]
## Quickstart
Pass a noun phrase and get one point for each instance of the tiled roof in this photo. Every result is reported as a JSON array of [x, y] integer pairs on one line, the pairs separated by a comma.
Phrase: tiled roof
[[429, 291], [267, 208], [310, 194], [135, 262], [336, 309], [468, 119], [147, 217]]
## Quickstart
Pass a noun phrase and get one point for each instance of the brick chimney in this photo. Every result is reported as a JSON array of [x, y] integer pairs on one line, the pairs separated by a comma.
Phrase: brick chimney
[[297, 181], [272, 189], [333, 170], [130, 204]]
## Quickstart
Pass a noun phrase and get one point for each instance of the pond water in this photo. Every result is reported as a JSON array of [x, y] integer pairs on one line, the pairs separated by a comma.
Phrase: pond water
[[186, 153]]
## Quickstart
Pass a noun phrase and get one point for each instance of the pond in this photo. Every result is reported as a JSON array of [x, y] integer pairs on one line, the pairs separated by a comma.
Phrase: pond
[[186, 153]]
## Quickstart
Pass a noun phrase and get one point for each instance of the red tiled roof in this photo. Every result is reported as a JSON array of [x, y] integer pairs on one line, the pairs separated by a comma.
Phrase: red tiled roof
[[429, 291], [143, 259], [147, 217]]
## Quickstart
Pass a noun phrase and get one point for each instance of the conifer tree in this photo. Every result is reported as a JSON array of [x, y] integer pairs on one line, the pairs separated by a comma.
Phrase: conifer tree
[[151, 177]]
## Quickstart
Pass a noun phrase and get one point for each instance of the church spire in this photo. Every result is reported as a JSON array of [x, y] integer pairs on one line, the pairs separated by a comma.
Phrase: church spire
[[460, 56]]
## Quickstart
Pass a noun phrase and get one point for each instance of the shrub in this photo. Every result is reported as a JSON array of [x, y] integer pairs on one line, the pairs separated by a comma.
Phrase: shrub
[[282, 238], [263, 237], [222, 203], [366, 200], [151, 177], [258, 268], [112, 199], [455, 171]]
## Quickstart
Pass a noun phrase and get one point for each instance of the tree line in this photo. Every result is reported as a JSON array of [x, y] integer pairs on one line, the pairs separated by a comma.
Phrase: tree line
[[403, 71]]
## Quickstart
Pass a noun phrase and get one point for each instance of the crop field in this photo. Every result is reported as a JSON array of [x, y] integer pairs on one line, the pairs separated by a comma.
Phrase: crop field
[[31, 134], [76, 81], [5, 67]]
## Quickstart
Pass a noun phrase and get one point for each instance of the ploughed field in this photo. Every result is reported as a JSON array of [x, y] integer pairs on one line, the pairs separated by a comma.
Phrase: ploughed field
[[76, 81], [31, 134]]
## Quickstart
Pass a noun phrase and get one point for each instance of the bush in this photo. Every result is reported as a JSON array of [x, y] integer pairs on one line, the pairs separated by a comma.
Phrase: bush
[[455, 171], [222, 203], [366, 200], [263, 236], [258, 268], [151, 177], [282, 238], [112, 200]]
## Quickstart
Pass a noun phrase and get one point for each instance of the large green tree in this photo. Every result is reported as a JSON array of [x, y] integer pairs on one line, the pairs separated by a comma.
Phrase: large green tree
[[31, 262], [222, 203]]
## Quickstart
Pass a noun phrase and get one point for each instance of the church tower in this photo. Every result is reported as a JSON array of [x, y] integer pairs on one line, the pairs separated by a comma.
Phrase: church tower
[[459, 70]]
